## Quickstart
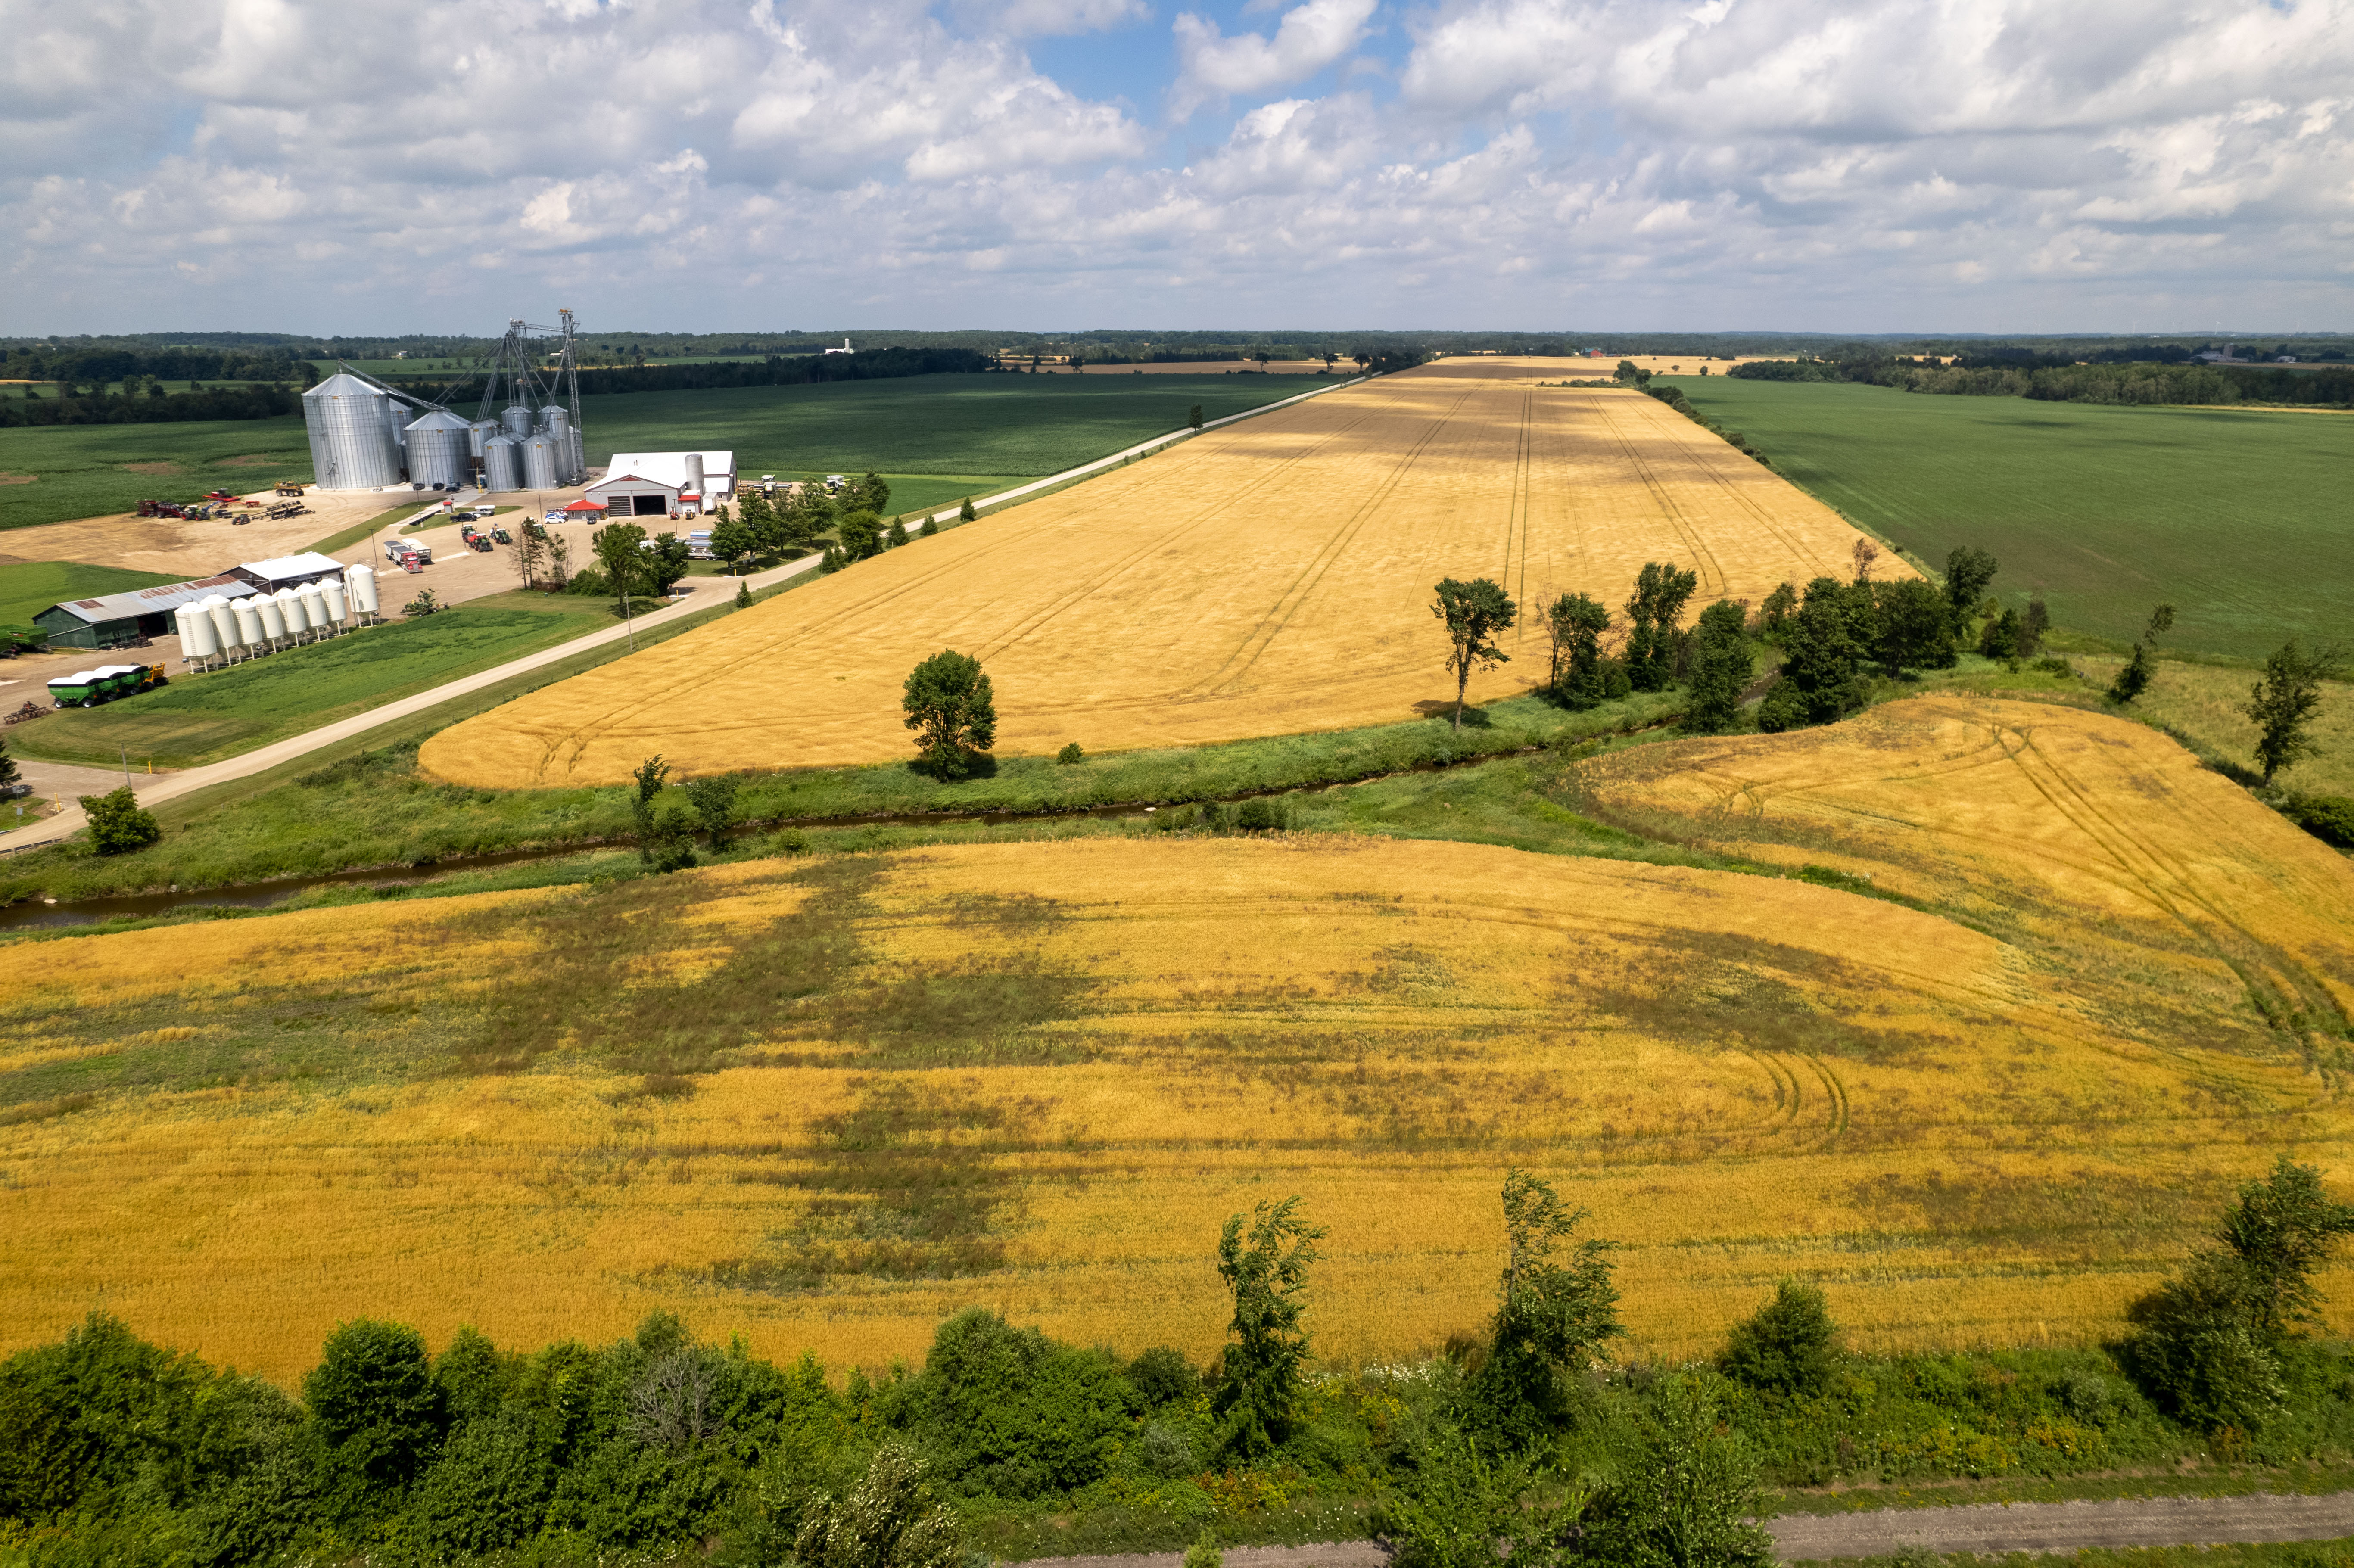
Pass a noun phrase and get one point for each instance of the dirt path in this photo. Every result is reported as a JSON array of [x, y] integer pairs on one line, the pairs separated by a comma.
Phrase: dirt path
[[699, 593], [1977, 1526]]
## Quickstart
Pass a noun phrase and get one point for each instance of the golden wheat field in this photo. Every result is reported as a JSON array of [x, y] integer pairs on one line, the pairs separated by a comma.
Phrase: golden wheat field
[[1269, 578], [825, 1102]]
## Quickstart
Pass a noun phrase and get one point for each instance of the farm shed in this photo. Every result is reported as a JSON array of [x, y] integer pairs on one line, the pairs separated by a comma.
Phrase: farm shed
[[652, 484], [288, 571], [114, 619]]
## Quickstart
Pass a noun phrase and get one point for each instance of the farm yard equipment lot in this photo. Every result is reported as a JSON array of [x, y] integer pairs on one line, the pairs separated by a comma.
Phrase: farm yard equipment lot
[[2236, 516], [1269, 578], [826, 1102], [90, 470]]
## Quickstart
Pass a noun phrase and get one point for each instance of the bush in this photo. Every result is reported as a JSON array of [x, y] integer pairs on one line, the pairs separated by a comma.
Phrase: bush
[[117, 824], [1788, 1348], [1204, 1553], [591, 583], [1070, 754], [1164, 1376], [2329, 818], [888, 1522], [1686, 1499], [1012, 1414], [374, 1398], [2194, 1348], [1263, 816]]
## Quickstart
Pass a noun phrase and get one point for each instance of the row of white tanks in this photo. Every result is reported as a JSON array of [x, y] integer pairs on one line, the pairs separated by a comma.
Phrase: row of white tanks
[[219, 627], [361, 439]]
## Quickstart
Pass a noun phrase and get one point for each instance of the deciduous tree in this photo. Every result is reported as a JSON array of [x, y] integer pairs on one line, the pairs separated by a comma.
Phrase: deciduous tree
[[2283, 701], [1266, 1270], [118, 823], [1556, 1305], [2134, 679], [621, 551], [1577, 623], [1660, 592], [1473, 614], [950, 705], [1719, 669]]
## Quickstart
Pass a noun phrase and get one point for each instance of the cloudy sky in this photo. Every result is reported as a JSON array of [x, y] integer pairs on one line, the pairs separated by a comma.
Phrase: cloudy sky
[[355, 165]]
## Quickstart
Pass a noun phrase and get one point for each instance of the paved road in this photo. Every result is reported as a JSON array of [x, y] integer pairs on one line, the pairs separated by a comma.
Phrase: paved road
[[1983, 1528], [698, 595]]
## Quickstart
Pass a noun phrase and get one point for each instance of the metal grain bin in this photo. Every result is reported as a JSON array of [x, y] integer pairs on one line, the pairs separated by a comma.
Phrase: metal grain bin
[[501, 464], [481, 430], [540, 463], [352, 427], [516, 418], [440, 450]]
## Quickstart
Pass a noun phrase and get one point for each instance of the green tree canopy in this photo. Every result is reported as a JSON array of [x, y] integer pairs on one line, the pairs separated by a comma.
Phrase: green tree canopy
[[1556, 1305], [949, 704], [1473, 614], [1267, 1347], [1577, 623], [2283, 702], [619, 550], [1660, 593], [1720, 667], [118, 823]]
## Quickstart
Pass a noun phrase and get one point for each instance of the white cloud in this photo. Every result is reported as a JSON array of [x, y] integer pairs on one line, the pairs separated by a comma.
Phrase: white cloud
[[1310, 37]]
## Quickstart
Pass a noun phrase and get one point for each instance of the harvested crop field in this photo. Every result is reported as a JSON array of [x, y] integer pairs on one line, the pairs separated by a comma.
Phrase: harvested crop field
[[1269, 578], [826, 1102]]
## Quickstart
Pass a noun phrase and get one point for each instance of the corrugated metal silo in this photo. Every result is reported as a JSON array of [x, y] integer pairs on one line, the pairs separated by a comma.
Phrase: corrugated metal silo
[[539, 463], [501, 464], [440, 450], [352, 428], [482, 430], [517, 420]]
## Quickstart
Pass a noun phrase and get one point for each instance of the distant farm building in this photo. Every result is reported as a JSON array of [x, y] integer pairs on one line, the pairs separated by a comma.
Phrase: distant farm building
[[288, 571], [655, 484], [114, 619]]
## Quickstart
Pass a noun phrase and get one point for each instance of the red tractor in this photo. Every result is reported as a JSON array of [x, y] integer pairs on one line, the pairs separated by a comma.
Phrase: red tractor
[[222, 496]]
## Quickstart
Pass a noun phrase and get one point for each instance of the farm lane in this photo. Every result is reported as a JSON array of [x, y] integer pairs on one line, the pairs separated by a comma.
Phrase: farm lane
[[152, 788], [1983, 1528]]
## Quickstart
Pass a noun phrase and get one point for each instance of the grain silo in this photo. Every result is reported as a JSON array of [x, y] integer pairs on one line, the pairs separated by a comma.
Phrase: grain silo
[[542, 463], [353, 429], [501, 464], [440, 450], [516, 416]]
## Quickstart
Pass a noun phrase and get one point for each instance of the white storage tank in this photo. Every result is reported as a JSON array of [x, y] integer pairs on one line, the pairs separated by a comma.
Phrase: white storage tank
[[250, 632], [694, 481], [331, 590], [362, 579], [289, 604], [273, 616], [314, 607], [197, 639], [217, 610]]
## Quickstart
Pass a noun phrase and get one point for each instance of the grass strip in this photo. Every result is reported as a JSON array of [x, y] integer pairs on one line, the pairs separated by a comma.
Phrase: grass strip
[[2245, 1555], [2303, 1480]]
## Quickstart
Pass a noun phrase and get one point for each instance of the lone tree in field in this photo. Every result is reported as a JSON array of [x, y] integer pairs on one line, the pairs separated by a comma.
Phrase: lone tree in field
[[950, 706], [2134, 679], [1193, 418], [2282, 703], [1555, 1305], [1577, 623], [1474, 612], [965, 514], [1267, 1348], [1865, 553], [1660, 592]]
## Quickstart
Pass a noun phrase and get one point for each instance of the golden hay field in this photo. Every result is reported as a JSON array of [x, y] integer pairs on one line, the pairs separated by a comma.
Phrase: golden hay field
[[1269, 578], [826, 1102]]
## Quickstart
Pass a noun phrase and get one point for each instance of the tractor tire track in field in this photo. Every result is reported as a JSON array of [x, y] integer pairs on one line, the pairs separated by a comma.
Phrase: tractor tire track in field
[[818, 631], [1713, 579], [1303, 586]]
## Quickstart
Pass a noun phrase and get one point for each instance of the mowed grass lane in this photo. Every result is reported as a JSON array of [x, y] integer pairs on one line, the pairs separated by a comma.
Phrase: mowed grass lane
[[2237, 517], [1270, 578], [203, 718]]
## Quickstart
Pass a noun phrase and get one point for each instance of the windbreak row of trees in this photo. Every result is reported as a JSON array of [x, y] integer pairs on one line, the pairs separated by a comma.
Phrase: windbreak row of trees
[[780, 371], [84, 365], [151, 405], [1524, 1437], [2331, 387]]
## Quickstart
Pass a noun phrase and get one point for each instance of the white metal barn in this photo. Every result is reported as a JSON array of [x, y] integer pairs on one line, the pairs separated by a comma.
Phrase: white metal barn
[[654, 485]]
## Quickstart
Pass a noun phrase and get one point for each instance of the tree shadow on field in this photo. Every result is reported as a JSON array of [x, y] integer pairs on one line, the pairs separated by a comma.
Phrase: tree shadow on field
[[1444, 708]]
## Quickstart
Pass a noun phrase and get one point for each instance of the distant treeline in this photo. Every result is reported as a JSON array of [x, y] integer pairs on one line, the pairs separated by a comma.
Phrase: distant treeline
[[98, 367], [2136, 383], [154, 408], [778, 371]]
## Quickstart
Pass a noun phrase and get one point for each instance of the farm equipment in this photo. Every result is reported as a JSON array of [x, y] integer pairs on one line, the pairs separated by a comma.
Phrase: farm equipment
[[473, 539], [285, 509], [162, 509], [289, 487], [501, 535], [222, 496], [29, 711]]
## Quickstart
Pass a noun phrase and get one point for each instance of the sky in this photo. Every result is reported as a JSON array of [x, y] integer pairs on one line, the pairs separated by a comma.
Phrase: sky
[[1839, 165]]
